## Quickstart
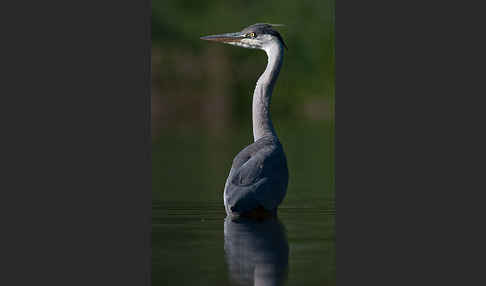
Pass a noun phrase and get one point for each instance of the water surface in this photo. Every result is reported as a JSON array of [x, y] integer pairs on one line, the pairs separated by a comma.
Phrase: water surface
[[194, 244]]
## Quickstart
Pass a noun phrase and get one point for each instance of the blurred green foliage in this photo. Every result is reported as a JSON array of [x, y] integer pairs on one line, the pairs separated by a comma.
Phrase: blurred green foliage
[[307, 76]]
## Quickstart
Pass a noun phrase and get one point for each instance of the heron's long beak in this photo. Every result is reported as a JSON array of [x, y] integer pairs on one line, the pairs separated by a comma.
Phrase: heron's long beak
[[225, 38]]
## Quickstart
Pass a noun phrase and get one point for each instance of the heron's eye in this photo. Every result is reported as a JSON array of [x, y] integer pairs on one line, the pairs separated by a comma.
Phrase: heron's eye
[[251, 35]]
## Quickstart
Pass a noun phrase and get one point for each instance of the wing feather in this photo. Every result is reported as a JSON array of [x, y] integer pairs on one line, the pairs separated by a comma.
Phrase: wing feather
[[258, 177]]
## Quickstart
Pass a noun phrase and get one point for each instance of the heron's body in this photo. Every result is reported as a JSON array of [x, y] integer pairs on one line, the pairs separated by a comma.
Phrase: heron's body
[[258, 179]]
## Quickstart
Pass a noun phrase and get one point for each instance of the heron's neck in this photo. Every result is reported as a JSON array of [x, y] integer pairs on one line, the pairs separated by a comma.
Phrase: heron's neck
[[262, 123]]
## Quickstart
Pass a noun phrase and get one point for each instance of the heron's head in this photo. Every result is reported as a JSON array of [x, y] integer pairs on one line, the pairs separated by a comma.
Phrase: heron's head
[[257, 36]]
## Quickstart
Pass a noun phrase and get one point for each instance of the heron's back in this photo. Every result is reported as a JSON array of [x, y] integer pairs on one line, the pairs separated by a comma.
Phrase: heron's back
[[258, 179]]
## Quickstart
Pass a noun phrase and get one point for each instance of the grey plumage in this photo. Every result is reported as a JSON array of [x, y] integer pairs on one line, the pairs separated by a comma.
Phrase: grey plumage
[[258, 179]]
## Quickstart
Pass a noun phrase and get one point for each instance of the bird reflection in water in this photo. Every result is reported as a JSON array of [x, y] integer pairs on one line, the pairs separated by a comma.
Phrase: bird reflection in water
[[257, 252]]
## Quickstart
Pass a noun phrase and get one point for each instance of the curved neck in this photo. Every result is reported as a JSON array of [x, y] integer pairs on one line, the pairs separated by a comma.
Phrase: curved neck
[[262, 96]]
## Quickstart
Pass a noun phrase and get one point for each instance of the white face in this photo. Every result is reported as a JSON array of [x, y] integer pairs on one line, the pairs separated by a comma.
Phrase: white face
[[260, 42]]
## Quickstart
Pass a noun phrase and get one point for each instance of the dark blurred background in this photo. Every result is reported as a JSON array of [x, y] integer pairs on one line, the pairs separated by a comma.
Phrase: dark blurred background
[[202, 92]]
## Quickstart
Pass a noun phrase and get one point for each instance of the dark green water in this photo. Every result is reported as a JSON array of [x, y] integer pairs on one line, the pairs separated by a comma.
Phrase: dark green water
[[192, 244], [188, 247]]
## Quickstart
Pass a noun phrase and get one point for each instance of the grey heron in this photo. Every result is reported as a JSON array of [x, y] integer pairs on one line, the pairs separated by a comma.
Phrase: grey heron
[[258, 179]]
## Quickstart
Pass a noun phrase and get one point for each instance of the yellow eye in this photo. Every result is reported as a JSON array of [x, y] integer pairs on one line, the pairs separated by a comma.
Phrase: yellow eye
[[251, 35]]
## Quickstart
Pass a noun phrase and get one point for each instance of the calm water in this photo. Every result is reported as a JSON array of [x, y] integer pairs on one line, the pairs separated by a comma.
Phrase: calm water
[[193, 244]]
